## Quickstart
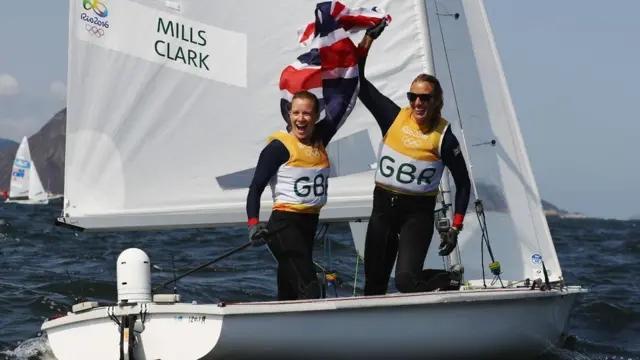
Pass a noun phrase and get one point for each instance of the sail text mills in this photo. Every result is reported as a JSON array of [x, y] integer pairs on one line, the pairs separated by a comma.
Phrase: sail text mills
[[180, 53]]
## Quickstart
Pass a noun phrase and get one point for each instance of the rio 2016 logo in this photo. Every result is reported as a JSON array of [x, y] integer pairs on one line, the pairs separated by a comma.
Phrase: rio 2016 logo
[[95, 22], [99, 8]]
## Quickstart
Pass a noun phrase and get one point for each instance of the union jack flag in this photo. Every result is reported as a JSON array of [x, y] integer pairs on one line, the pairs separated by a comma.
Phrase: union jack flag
[[329, 69]]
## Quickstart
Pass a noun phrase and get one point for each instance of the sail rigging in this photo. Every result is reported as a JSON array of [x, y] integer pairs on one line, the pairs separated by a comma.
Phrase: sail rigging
[[505, 197]]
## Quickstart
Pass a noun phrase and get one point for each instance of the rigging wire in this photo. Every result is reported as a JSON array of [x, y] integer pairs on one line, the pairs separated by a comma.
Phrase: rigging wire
[[494, 266], [455, 97]]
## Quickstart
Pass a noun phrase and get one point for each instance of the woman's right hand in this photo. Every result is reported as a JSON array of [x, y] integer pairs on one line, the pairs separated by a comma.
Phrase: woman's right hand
[[257, 234]]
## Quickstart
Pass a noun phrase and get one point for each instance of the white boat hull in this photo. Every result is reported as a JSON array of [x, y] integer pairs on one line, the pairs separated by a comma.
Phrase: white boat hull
[[441, 325]]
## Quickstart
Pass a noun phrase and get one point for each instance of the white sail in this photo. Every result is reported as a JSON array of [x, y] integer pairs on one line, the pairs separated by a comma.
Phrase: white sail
[[19, 185], [515, 221], [36, 190], [141, 122]]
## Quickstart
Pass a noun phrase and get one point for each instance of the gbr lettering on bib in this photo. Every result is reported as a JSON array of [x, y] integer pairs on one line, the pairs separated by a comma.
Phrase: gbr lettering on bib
[[408, 175], [302, 186]]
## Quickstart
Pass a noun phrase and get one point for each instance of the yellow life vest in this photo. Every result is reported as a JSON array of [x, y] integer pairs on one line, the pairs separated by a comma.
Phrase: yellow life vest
[[300, 185], [409, 157]]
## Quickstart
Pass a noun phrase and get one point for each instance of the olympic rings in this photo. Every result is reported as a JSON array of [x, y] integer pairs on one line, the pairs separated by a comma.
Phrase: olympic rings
[[411, 142], [94, 30]]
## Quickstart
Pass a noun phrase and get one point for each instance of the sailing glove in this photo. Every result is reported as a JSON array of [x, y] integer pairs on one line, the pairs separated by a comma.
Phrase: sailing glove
[[257, 234], [448, 241], [376, 30]]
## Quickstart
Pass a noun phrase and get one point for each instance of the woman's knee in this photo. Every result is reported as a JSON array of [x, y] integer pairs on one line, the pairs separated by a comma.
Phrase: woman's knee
[[406, 282]]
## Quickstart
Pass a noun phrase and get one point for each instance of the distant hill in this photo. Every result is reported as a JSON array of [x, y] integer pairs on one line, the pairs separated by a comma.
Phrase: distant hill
[[550, 207], [552, 210], [48, 149], [6, 144]]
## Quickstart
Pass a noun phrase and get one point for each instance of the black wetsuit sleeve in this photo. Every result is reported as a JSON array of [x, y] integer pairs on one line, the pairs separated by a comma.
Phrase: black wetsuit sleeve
[[453, 159], [271, 157], [383, 109], [326, 129]]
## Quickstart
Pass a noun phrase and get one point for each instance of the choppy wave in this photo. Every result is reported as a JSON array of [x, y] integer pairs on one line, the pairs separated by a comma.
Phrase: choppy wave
[[42, 268]]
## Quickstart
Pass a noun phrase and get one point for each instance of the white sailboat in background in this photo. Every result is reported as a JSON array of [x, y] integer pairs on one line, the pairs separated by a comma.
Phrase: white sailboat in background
[[25, 186], [150, 111]]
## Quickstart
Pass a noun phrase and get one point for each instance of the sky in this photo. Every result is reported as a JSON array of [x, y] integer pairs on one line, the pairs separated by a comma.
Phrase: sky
[[571, 67]]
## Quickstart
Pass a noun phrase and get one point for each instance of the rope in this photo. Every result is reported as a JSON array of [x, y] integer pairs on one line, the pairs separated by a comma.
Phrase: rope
[[494, 266]]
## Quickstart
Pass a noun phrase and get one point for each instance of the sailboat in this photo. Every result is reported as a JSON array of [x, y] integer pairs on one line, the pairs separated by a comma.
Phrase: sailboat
[[178, 97], [25, 185]]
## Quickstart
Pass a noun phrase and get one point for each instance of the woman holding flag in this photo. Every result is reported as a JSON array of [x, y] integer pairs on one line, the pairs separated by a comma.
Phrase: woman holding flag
[[319, 92], [402, 219]]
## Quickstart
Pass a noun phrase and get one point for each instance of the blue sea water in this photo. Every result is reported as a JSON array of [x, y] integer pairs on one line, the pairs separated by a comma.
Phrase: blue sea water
[[42, 267]]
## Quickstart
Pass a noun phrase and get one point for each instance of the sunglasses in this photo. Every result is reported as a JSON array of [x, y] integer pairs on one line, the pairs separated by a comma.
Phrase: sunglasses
[[423, 97]]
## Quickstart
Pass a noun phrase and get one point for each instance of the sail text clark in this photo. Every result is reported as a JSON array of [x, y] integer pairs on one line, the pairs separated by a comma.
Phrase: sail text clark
[[180, 52]]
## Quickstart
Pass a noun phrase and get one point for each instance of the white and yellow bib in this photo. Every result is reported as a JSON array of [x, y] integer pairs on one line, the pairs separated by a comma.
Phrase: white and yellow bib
[[300, 185], [409, 158]]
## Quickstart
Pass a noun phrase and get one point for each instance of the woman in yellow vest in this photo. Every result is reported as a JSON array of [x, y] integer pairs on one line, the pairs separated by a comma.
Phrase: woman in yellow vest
[[417, 144], [296, 165]]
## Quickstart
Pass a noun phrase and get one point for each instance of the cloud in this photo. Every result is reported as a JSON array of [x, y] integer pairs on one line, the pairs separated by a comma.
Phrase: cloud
[[8, 85], [23, 113], [59, 90]]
